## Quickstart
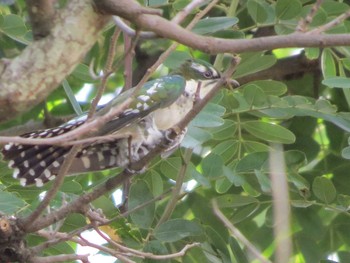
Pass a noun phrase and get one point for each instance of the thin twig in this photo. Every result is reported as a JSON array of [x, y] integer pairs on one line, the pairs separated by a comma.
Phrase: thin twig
[[336, 21], [50, 194], [129, 55], [112, 252], [143, 255], [60, 258], [131, 32], [176, 191], [305, 22], [177, 19], [181, 15], [237, 234], [136, 208], [281, 204], [108, 70]]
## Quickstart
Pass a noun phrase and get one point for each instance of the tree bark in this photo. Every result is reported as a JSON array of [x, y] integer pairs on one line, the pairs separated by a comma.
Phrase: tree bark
[[30, 77]]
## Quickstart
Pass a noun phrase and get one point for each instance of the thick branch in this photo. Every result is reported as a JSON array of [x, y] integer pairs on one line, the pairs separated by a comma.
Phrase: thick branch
[[132, 11], [39, 69]]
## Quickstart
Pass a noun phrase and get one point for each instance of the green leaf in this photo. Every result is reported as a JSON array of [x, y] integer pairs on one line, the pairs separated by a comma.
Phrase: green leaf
[[269, 132], [345, 153], [71, 97], [176, 58], [324, 189], [328, 65], [73, 222], [253, 161], [216, 239], [210, 116], [156, 2], [312, 53], [238, 252], [138, 195], [10, 203], [214, 24], [212, 166], [294, 158], [299, 182], [257, 10], [205, 119], [71, 187], [157, 248], [155, 182], [253, 63], [245, 212], [170, 167], [325, 106], [302, 203], [195, 136], [335, 8], [59, 249], [254, 95], [13, 26], [106, 205], [198, 176], [344, 201], [345, 62], [177, 229], [82, 72], [270, 87], [234, 200], [222, 185], [251, 146], [288, 9], [226, 149], [263, 180], [225, 131], [337, 82]]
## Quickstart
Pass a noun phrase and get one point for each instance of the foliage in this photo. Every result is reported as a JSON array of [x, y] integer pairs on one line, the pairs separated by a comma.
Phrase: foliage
[[231, 140]]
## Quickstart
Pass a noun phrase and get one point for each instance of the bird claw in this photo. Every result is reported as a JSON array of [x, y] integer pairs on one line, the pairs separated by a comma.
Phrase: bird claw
[[169, 135], [132, 171]]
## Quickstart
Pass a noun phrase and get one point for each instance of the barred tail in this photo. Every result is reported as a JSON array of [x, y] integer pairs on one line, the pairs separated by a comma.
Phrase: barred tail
[[38, 164]]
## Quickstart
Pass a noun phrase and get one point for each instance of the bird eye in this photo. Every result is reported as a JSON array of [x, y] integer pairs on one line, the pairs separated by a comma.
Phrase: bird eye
[[208, 74]]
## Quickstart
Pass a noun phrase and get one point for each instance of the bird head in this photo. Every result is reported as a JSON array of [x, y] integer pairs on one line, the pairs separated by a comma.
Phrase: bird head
[[198, 74]]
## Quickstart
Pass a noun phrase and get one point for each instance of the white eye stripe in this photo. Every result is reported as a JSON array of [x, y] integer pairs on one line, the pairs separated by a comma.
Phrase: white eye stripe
[[198, 67], [206, 71], [214, 71]]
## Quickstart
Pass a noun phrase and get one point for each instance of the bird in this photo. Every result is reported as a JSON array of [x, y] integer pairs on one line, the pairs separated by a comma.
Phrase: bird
[[156, 107]]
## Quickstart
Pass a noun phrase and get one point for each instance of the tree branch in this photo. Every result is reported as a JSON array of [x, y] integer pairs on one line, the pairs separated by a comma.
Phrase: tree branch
[[132, 11], [23, 84], [60, 258], [237, 234]]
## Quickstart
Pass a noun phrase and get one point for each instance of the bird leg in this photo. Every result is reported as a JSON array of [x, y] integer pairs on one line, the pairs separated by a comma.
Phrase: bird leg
[[198, 92]]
